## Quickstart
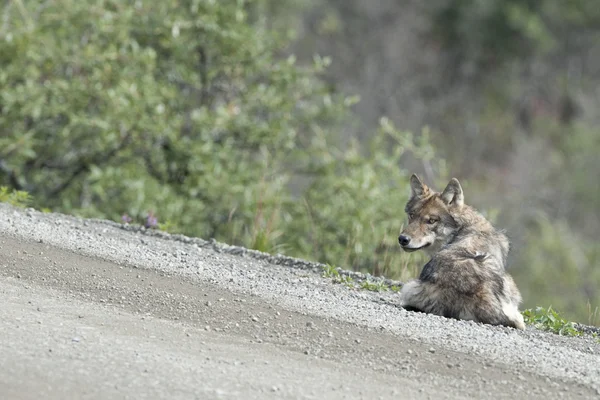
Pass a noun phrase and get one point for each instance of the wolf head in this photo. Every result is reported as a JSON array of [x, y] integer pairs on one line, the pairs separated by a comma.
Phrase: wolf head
[[431, 216]]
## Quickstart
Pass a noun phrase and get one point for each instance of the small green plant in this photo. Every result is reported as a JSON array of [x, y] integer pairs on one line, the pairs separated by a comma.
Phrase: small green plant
[[168, 226], [261, 242], [346, 280], [378, 286], [333, 273], [549, 320], [395, 288], [17, 198], [329, 271]]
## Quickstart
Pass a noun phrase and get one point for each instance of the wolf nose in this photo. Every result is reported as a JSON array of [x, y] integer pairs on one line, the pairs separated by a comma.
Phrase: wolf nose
[[403, 240]]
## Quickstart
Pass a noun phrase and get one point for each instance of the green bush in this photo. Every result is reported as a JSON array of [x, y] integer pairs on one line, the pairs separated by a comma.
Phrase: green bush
[[175, 106], [184, 113]]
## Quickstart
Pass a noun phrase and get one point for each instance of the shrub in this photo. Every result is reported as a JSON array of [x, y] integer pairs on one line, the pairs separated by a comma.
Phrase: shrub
[[185, 111]]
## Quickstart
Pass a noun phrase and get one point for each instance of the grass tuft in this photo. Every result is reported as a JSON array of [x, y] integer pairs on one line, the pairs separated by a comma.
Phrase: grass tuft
[[378, 286], [330, 271], [549, 320]]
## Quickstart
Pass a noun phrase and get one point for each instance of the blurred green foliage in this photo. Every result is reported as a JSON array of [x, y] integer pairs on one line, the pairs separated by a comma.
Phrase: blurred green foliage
[[559, 261], [488, 33], [185, 111]]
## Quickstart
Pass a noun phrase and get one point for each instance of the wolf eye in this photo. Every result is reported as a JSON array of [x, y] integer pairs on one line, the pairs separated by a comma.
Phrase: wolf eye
[[432, 220]]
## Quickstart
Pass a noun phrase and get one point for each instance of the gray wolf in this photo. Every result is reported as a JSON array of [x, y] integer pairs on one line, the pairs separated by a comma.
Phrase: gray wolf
[[465, 277]]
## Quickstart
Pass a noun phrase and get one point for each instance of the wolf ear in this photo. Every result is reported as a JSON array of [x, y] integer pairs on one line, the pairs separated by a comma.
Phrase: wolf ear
[[453, 194], [417, 187]]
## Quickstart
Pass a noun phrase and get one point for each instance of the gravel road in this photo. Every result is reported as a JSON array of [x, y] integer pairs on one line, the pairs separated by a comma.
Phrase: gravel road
[[96, 310]]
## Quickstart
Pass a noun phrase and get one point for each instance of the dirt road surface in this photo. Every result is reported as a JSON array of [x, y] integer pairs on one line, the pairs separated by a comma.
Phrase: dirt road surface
[[97, 310]]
